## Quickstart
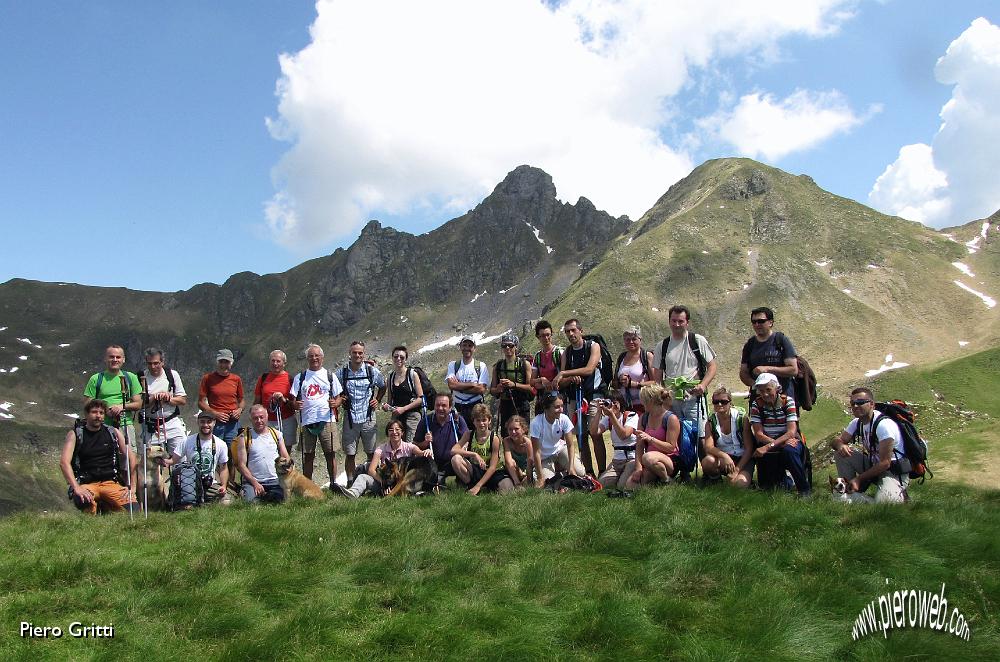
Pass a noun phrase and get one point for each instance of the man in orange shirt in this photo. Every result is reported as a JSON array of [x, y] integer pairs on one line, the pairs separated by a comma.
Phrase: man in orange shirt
[[221, 395]]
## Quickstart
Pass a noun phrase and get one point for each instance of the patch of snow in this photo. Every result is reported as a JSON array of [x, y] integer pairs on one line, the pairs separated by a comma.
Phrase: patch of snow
[[704, 252], [630, 239], [986, 226], [3, 369], [722, 206], [822, 264], [37, 346], [973, 244], [23, 358], [888, 365], [655, 310], [964, 268], [845, 291], [749, 252], [989, 301], [3, 328], [6, 405], [6, 415], [480, 338], [30, 402], [538, 236], [963, 343], [873, 266], [64, 344], [508, 289], [71, 390], [71, 415], [13, 370], [403, 319], [476, 298], [746, 286], [25, 341]]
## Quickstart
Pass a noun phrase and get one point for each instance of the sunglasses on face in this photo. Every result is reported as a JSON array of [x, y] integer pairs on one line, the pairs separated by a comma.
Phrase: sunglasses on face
[[506, 346], [859, 403], [720, 403], [399, 356], [760, 321]]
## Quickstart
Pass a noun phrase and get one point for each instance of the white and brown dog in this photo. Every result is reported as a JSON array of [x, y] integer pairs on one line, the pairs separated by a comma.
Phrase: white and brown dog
[[293, 482]]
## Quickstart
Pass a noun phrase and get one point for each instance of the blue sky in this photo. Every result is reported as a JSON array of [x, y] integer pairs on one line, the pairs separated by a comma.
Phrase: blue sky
[[158, 148]]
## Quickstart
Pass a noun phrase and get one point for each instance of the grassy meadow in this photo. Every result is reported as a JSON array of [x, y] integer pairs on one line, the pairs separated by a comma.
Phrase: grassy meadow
[[679, 572]]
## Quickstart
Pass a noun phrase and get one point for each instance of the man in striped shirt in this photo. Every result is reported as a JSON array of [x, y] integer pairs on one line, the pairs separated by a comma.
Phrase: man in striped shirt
[[774, 421]]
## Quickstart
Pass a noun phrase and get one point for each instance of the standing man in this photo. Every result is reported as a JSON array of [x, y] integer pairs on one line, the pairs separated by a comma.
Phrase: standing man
[[119, 389], [768, 351], [363, 388], [687, 358], [273, 390], [467, 380], [221, 395], [870, 451], [164, 425], [440, 433], [316, 393], [546, 365], [578, 378], [95, 461], [256, 450]]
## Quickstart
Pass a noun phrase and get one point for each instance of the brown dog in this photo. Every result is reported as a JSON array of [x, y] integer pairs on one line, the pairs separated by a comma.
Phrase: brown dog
[[157, 481], [293, 482]]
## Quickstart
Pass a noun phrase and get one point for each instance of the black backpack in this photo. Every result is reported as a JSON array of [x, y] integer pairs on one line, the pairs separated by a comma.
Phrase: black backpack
[[914, 447], [564, 482], [370, 376], [606, 366], [425, 384], [804, 380]]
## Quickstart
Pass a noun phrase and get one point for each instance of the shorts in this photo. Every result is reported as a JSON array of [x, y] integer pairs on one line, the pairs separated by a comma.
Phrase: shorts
[[226, 431], [109, 495], [288, 428], [736, 460], [351, 433], [493, 484], [560, 462], [618, 473], [325, 439]]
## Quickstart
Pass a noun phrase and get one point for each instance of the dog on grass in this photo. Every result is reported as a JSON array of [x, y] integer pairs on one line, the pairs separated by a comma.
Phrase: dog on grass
[[838, 486], [408, 475], [155, 479], [293, 482]]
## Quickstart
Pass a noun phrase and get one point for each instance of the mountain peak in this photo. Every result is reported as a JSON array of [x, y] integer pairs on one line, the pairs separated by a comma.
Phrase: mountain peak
[[526, 182]]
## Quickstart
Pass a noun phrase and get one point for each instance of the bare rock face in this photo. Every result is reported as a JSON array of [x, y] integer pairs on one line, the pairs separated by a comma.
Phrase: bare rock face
[[743, 188], [771, 222]]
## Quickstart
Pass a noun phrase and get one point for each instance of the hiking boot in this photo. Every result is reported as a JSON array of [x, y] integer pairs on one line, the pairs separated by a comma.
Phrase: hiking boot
[[343, 491]]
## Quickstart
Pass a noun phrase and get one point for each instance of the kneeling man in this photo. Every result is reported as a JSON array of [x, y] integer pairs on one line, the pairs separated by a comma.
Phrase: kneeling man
[[865, 451], [96, 463], [256, 450]]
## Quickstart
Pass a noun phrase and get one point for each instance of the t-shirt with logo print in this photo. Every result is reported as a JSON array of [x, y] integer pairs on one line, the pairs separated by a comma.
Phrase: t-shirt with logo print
[[315, 392]]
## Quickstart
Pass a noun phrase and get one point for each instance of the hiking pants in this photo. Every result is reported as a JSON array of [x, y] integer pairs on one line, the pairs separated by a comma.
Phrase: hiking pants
[[771, 468]]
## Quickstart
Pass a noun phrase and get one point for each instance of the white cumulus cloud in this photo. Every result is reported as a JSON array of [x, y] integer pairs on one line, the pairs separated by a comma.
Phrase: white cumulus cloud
[[760, 126], [953, 180], [396, 106]]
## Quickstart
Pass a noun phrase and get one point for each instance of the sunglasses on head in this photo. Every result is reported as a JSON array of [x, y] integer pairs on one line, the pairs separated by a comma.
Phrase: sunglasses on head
[[859, 403], [721, 402]]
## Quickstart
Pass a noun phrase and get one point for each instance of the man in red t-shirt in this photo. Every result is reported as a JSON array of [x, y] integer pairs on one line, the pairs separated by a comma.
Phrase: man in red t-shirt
[[273, 391], [221, 395], [546, 364]]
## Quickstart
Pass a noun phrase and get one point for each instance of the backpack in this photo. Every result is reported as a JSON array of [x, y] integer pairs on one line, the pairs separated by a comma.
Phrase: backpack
[[243, 434], [695, 349], [643, 359], [126, 390], [687, 440], [564, 482], [605, 367], [455, 365], [425, 384], [370, 376], [804, 380], [741, 417], [914, 447], [171, 389]]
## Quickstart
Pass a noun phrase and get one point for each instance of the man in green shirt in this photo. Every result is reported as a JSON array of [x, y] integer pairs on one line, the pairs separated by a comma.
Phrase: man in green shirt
[[119, 388]]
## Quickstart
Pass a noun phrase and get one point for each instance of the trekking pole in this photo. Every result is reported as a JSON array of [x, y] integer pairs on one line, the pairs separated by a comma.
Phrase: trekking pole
[[128, 466], [145, 443], [579, 420], [423, 410]]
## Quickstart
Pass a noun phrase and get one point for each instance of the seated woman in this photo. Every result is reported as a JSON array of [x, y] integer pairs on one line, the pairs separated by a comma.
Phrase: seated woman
[[634, 369], [616, 417], [517, 455], [390, 451], [657, 447], [728, 442], [553, 442], [477, 462]]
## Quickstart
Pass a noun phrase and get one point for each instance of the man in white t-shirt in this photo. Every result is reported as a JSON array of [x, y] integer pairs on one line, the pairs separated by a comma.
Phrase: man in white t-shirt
[[317, 395], [468, 380], [209, 457], [678, 358], [863, 461], [256, 464], [164, 425]]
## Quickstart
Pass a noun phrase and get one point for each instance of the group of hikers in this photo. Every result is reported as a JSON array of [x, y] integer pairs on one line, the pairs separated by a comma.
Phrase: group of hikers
[[664, 420]]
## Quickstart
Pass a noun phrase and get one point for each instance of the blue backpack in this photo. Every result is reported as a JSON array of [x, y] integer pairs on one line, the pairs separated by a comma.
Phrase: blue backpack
[[687, 441]]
